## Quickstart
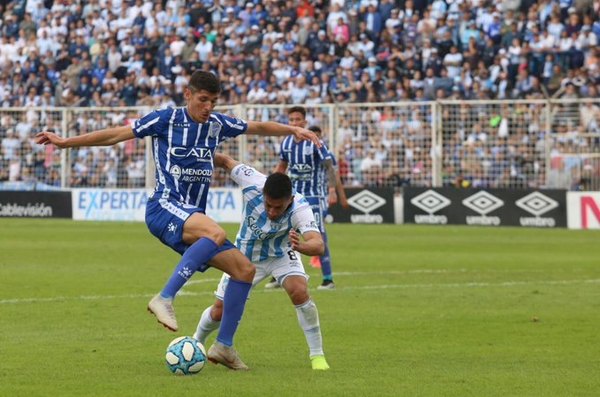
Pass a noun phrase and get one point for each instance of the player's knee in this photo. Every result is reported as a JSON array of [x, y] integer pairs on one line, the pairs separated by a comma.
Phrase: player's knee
[[217, 234], [248, 273], [216, 312], [244, 272], [299, 295]]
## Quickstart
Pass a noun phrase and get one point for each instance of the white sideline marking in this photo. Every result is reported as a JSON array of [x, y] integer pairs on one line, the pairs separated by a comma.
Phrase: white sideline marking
[[364, 287]]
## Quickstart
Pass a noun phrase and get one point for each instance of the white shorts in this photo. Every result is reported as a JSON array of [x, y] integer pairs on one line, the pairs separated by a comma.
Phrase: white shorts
[[288, 265]]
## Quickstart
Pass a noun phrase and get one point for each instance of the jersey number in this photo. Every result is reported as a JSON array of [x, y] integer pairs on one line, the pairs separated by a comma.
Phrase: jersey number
[[292, 255]]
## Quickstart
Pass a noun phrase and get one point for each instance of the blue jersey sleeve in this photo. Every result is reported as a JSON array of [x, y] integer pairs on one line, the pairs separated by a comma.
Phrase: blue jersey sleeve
[[283, 155], [232, 126], [324, 153], [153, 124]]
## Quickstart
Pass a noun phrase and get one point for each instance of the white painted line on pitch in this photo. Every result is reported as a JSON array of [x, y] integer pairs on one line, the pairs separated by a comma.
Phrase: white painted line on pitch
[[416, 271], [203, 281], [471, 285], [259, 290]]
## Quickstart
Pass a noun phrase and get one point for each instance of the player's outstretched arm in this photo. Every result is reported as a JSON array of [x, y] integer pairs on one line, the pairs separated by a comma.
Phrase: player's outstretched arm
[[107, 137], [271, 128], [226, 162], [312, 244]]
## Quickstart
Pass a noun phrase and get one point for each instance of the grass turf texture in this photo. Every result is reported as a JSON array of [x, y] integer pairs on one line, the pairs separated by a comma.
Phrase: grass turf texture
[[418, 311]]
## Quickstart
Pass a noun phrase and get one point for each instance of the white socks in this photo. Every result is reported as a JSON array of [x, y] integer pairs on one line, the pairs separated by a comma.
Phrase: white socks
[[206, 326], [308, 317]]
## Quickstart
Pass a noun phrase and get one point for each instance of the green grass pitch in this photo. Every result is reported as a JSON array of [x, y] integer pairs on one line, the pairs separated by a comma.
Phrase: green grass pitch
[[418, 311]]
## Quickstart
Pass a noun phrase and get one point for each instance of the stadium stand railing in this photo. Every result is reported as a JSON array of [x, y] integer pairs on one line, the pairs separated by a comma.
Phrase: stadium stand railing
[[502, 144]]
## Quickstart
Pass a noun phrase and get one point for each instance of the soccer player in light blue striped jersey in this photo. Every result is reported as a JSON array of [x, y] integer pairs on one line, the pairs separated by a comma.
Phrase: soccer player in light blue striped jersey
[[313, 173], [184, 141], [274, 220]]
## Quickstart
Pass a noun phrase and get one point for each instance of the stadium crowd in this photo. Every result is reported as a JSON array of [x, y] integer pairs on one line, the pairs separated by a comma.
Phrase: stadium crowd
[[140, 53]]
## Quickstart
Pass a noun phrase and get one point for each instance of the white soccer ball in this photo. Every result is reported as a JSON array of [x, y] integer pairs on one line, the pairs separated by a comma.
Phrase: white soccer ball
[[185, 356]]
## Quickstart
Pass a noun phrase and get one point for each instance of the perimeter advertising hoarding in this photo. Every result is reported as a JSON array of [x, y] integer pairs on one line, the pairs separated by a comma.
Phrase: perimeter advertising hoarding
[[583, 210], [367, 205], [488, 207], [33, 204], [222, 204]]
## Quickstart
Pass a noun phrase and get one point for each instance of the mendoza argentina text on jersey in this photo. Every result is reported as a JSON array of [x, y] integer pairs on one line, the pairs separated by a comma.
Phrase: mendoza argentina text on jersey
[[259, 237], [305, 165], [183, 151]]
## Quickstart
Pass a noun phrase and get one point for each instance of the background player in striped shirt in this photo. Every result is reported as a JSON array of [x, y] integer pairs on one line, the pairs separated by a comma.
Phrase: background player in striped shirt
[[184, 141], [274, 219], [312, 170]]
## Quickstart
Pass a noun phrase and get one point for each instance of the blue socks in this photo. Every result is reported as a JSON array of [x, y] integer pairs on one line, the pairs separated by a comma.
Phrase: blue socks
[[326, 259], [195, 256], [234, 301]]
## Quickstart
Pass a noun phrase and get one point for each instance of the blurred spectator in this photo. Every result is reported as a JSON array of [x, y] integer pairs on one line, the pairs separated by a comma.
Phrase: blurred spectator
[[131, 53]]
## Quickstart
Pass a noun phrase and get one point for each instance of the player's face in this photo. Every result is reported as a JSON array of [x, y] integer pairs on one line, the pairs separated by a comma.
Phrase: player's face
[[276, 207], [296, 119], [200, 104]]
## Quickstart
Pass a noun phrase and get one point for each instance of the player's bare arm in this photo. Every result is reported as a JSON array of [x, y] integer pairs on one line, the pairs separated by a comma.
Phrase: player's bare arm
[[281, 167], [341, 193], [310, 244], [271, 128], [225, 162], [106, 137], [336, 189]]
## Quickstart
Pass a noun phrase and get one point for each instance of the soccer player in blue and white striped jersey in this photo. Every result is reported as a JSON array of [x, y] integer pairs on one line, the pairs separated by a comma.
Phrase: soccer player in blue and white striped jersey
[[184, 141], [273, 219], [313, 173]]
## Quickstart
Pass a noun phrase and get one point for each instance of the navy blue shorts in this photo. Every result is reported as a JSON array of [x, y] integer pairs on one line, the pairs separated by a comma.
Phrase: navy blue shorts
[[165, 220]]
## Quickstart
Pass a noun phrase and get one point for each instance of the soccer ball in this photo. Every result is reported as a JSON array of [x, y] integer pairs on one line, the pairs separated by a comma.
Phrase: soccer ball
[[185, 356]]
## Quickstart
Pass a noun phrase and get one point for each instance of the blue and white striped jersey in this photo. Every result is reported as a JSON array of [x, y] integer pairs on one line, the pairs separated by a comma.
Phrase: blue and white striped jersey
[[305, 166], [183, 151], [259, 237]]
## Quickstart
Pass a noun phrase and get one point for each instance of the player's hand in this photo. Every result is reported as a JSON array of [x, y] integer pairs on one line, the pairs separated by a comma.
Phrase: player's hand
[[344, 203], [332, 198], [303, 134], [295, 240], [50, 138]]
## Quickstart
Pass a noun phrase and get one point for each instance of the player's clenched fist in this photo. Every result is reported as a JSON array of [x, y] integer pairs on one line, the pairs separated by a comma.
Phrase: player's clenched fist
[[294, 240]]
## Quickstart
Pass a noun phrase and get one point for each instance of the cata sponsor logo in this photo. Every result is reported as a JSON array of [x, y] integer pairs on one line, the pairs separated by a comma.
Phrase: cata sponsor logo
[[537, 204], [483, 203], [367, 202], [199, 153], [431, 202]]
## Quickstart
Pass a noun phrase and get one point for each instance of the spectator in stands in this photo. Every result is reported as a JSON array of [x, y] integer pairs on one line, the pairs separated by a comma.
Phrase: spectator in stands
[[52, 54]]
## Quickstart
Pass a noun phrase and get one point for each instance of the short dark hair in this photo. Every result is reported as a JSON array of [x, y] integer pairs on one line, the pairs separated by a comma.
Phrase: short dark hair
[[316, 129], [277, 186], [202, 80], [299, 109]]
